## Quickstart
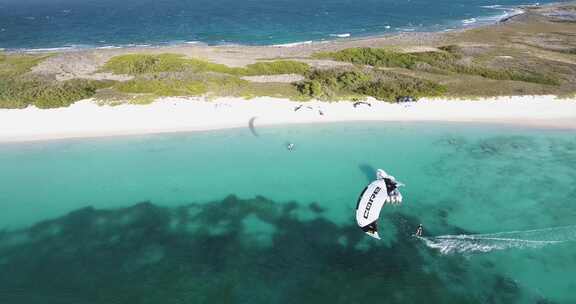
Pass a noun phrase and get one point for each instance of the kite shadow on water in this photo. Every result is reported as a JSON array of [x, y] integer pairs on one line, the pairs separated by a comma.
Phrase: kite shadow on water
[[368, 171], [289, 145]]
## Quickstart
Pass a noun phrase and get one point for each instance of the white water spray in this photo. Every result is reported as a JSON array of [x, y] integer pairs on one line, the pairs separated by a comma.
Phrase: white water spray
[[479, 243]]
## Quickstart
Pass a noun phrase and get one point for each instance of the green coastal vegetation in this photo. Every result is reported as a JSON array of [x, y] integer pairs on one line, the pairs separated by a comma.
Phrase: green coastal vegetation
[[165, 75], [376, 73], [43, 93], [175, 75], [348, 74], [337, 84], [146, 89], [446, 60], [155, 76], [139, 64], [19, 89]]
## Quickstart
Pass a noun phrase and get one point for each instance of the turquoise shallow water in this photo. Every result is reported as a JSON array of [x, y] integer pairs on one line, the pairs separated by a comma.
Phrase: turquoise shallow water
[[228, 217]]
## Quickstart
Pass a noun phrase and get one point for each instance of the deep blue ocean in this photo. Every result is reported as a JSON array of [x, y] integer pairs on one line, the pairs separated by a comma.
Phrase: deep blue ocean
[[32, 24]]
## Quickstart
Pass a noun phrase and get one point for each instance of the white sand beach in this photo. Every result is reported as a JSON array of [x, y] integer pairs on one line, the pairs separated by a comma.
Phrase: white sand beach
[[87, 119]]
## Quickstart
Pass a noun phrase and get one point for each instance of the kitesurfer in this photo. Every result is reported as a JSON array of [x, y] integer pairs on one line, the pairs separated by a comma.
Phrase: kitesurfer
[[391, 184], [389, 180], [419, 230]]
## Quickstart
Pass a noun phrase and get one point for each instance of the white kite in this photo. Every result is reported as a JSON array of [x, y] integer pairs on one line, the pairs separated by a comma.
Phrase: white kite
[[384, 190]]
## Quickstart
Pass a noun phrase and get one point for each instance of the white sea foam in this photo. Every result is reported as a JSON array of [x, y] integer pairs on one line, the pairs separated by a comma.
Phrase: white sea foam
[[109, 47], [132, 45], [533, 4], [345, 35], [511, 13], [73, 47], [507, 13], [482, 243], [495, 6], [54, 49], [293, 44]]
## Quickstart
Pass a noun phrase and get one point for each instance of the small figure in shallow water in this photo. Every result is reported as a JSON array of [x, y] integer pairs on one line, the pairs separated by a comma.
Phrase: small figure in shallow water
[[419, 230], [290, 146]]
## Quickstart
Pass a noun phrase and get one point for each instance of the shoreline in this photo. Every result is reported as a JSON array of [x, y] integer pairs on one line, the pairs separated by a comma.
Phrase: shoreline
[[335, 41], [86, 119], [488, 20]]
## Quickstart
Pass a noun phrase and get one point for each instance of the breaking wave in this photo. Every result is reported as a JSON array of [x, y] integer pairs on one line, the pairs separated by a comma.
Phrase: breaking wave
[[293, 44], [345, 35], [482, 243], [495, 6]]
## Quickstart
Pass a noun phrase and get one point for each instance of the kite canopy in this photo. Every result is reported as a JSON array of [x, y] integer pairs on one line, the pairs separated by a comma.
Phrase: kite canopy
[[382, 191]]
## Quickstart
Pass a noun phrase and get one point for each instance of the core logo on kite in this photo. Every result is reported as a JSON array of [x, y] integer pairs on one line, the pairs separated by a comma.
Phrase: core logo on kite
[[369, 204]]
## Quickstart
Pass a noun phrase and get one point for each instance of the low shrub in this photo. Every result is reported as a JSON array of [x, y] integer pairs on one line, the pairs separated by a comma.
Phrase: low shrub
[[162, 87], [394, 86], [184, 85], [445, 60], [140, 64], [136, 64], [339, 84], [17, 64], [275, 68], [44, 93], [370, 56]]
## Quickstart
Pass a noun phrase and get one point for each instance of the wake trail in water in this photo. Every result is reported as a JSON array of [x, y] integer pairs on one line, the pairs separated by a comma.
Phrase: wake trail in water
[[481, 243]]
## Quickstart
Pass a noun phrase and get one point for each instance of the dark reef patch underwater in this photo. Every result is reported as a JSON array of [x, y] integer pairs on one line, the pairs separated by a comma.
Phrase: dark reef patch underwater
[[233, 251]]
